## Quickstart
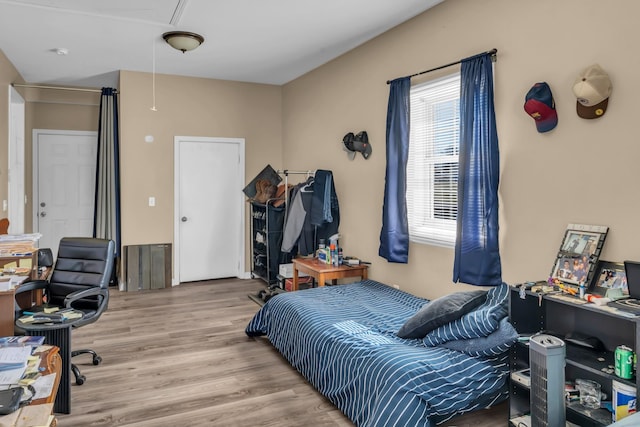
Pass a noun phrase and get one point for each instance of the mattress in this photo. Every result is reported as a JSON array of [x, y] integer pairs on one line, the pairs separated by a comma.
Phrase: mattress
[[342, 339]]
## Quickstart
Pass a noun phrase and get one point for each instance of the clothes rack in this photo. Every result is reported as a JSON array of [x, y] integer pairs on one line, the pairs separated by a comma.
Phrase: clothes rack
[[286, 173], [267, 224]]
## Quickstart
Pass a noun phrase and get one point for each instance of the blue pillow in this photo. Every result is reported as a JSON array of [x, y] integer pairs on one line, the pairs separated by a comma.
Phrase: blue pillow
[[478, 323], [493, 344], [441, 311]]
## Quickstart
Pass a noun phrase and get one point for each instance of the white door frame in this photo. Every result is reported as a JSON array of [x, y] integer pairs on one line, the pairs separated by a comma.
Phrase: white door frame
[[17, 197], [176, 201]]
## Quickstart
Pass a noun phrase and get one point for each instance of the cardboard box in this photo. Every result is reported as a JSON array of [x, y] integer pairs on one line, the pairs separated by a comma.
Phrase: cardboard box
[[286, 270], [303, 283]]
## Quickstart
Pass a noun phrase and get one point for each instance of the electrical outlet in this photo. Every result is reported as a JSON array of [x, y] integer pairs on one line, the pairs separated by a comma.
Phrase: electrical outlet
[[152, 201]]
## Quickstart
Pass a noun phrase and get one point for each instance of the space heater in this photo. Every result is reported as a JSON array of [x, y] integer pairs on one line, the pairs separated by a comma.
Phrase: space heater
[[547, 361]]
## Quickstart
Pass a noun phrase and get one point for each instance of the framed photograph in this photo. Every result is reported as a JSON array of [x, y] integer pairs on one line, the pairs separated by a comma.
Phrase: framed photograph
[[578, 254], [609, 275]]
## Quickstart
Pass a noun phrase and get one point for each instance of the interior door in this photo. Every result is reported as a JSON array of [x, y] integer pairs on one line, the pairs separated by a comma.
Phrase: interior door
[[64, 184], [209, 215]]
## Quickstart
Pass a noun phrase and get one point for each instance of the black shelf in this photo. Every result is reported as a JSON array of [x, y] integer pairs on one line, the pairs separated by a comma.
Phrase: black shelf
[[585, 417], [267, 222], [560, 316]]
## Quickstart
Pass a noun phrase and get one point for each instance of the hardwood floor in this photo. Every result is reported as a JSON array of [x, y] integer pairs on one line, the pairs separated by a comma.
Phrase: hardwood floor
[[179, 357]]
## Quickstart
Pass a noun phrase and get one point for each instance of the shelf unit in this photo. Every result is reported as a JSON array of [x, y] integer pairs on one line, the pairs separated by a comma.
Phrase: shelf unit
[[559, 316], [267, 224]]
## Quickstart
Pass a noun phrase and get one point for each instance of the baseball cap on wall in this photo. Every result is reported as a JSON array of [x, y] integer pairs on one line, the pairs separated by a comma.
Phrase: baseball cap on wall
[[361, 144], [347, 145], [539, 104], [592, 88]]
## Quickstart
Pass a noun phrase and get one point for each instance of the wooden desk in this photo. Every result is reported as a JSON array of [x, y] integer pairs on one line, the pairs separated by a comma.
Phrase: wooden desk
[[27, 261], [58, 335], [39, 411], [25, 300], [50, 363], [323, 272]]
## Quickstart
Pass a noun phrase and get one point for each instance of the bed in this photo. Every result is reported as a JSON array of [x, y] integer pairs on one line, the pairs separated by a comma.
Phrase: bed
[[343, 340]]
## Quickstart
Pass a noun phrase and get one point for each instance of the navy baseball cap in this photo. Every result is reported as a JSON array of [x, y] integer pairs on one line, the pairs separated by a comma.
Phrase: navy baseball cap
[[539, 104]]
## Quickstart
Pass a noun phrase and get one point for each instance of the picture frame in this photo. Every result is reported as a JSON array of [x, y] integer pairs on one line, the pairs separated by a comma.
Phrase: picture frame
[[609, 275], [578, 255]]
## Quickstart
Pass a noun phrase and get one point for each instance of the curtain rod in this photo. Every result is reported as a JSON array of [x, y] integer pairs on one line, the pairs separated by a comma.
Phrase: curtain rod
[[77, 89], [491, 52]]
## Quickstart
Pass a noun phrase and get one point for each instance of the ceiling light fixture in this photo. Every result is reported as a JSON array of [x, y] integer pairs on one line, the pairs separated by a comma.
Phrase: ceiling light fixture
[[183, 40]]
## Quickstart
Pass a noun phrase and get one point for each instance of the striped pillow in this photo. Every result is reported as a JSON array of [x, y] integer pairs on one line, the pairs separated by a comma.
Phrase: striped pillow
[[493, 344], [481, 322]]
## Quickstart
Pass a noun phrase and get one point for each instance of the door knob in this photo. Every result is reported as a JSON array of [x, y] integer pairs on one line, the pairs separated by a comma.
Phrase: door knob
[[184, 219], [43, 214]]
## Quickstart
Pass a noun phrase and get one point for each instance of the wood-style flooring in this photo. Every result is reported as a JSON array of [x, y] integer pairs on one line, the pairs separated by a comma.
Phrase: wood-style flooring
[[179, 357]]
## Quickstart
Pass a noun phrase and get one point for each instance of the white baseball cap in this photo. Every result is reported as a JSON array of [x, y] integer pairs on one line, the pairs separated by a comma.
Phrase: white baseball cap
[[592, 88]]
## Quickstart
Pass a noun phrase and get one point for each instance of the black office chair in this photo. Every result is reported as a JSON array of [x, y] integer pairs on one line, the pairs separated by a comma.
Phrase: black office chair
[[79, 280]]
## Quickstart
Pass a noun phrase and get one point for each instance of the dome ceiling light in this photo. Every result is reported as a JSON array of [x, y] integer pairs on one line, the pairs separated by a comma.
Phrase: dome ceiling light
[[183, 40]]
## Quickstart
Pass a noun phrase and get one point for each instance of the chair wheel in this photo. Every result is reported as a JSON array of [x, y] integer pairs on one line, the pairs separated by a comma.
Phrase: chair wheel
[[97, 360], [81, 379]]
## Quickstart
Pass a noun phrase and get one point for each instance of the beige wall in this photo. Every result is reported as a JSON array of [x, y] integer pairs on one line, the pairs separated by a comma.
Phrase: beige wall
[[186, 107], [581, 172], [8, 75]]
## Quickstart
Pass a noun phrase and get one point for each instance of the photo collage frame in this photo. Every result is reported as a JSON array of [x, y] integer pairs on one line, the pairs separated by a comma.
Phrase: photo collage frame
[[578, 256]]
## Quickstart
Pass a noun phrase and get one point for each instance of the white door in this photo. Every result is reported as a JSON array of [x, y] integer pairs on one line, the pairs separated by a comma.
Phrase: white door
[[209, 213], [64, 167]]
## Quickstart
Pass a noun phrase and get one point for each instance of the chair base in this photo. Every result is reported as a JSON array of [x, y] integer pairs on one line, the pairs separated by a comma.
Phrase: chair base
[[80, 379]]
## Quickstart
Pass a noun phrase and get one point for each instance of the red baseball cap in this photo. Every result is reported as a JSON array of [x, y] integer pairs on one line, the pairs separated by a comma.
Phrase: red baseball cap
[[539, 104]]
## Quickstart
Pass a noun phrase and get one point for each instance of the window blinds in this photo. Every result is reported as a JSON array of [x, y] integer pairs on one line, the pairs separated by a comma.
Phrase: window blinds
[[432, 167]]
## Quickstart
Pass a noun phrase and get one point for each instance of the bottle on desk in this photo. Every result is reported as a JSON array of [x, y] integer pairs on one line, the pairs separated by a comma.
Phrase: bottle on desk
[[334, 255]]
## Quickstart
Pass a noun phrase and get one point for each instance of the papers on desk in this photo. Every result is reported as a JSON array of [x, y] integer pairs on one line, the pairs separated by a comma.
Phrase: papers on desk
[[10, 376], [14, 357], [19, 341], [44, 386], [51, 315], [13, 362]]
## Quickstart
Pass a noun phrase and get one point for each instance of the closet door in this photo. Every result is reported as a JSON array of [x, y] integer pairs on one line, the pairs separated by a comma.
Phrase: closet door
[[209, 216]]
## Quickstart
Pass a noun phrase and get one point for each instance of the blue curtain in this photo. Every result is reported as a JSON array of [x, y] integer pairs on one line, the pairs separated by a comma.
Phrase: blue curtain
[[106, 220], [394, 236], [477, 257]]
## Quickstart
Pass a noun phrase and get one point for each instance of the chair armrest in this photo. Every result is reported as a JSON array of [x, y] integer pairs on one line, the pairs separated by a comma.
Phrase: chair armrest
[[31, 286], [74, 296]]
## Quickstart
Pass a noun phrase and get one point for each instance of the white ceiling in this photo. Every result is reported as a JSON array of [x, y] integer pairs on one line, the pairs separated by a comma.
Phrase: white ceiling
[[260, 41]]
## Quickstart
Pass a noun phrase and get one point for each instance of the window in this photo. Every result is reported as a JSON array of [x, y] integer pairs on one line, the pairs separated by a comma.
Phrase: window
[[432, 167]]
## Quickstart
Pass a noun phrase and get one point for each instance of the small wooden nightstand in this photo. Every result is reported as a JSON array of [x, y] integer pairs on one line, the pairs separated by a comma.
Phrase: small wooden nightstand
[[323, 272]]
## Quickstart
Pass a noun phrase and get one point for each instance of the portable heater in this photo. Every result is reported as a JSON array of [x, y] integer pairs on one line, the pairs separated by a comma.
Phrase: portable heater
[[547, 362]]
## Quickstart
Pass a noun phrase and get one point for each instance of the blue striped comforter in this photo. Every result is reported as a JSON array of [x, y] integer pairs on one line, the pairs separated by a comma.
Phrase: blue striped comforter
[[343, 340]]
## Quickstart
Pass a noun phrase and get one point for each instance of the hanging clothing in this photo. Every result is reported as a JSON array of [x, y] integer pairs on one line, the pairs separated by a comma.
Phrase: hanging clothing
[[296, 216], [313, 214], [325, 210]]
